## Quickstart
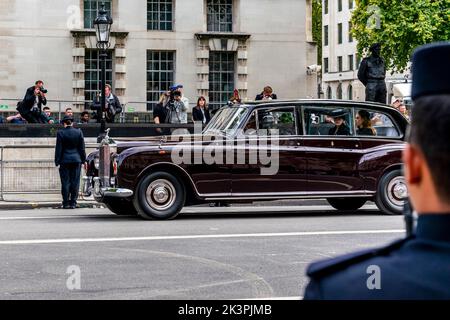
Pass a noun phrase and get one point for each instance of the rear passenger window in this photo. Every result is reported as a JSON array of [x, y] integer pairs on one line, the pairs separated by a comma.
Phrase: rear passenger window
[[275, 121], [369, 123], [328, 121]]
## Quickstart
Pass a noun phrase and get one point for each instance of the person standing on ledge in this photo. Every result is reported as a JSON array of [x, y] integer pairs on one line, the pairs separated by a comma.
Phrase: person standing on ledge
[[70, 153], [417, 267], [372, 72]]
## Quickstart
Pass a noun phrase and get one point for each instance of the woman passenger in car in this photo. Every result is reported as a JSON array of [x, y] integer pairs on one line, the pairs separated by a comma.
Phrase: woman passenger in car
[[340, 127], [364, 125]]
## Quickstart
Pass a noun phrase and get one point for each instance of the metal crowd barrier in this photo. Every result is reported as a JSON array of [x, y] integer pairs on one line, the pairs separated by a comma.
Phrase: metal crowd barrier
[[34, 176]]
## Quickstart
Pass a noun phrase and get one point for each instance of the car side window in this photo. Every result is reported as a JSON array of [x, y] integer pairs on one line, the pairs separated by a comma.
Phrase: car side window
[[328, 121], [277, 121], [380, 124], [273, 121]]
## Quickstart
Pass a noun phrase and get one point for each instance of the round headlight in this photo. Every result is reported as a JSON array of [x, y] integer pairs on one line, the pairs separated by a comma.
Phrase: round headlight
[[97, 163]]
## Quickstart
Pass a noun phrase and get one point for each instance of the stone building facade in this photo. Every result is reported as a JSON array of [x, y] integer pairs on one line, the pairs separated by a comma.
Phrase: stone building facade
[[209, 46]]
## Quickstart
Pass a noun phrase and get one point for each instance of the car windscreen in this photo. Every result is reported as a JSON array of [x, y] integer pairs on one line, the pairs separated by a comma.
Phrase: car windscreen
[[226, 121]]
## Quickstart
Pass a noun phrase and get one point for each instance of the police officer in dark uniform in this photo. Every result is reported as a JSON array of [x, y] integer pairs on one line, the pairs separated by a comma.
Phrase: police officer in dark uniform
[[372, 72], [69, 155], [417, 267]]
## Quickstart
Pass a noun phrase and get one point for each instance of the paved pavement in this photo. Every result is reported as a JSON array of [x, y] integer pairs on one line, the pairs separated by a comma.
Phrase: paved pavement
[[207, 253]]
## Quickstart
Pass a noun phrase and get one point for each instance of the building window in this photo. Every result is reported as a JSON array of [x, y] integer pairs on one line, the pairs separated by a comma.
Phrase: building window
[[221, 77], [325, 65], [350, 4], [350, 62], [220, 15], [329, 93], [339, 33], [160, 15], [160, 75], [339, 92], [350, 92], [325, 6], [350, 36], [92, 69], [325, 35], [339, 5], [339, 64], [91, 8]]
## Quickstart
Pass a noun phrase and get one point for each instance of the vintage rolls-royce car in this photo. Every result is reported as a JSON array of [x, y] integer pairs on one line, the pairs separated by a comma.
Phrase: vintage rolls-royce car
[[344, 151]]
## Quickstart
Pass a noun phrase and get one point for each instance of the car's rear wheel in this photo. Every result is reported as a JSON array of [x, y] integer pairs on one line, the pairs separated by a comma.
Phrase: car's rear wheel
[[392, 193], [346, 203], [121, 207], [159, 196]]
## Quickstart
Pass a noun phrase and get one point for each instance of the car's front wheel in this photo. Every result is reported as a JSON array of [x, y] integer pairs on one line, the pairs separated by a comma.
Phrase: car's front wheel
[[392, 193], [121, 207], [346, 203], [159, 195]]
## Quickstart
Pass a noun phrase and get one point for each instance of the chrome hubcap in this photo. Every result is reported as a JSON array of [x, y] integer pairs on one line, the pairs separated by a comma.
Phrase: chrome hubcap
[[397, 191], [161, 194]]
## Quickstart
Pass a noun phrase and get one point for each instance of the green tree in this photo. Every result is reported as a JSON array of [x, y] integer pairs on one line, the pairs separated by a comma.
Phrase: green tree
[[317, 27], [400, 26]]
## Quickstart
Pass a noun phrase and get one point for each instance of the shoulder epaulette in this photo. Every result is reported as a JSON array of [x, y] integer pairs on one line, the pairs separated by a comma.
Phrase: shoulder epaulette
[[325, 267]]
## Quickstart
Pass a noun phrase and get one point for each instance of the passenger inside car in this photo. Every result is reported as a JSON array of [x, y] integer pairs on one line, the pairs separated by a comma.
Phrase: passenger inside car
[[340, 126], [363, 124]]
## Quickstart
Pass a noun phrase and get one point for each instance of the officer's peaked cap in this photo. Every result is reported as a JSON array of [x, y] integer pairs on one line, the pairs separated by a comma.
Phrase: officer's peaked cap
[[431, 70]]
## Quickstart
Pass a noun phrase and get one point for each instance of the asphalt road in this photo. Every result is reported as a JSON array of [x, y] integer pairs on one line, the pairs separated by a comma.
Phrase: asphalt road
[[206, 253]]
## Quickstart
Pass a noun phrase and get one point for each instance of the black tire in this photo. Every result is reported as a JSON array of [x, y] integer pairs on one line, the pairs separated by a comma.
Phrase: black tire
[[347, 204], [121, 207], [160, 196], [386, 198]]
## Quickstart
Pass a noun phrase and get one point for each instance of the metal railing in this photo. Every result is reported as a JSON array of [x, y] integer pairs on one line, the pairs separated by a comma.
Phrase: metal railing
[[128, 115], [30, 176]]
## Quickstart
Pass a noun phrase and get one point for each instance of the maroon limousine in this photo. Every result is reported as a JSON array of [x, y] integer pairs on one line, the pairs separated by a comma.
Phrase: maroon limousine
[[344, 151]]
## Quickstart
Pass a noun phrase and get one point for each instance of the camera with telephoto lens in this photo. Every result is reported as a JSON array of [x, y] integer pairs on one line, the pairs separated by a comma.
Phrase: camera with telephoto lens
[[43, 90]]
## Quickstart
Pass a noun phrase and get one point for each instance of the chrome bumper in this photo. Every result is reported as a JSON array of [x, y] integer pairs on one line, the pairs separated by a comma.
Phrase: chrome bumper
[[93, 186]]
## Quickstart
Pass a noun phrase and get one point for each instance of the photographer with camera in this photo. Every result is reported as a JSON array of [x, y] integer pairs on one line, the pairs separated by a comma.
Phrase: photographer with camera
[[31, 106], [112, 107], [177, 110]]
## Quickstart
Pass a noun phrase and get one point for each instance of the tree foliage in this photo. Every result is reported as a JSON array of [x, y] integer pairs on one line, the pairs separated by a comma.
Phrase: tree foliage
[[317, 27], [400, 26]]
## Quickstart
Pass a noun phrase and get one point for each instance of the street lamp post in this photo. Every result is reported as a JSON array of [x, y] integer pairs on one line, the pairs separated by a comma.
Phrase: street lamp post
[[102, 24]]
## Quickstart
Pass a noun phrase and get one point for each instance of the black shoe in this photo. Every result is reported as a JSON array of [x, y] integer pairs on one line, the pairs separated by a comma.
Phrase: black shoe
[[66, 207], [72, 207]]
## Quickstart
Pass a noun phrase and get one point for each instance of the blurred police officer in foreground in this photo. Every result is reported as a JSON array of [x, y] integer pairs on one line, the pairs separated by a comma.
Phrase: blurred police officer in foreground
[[69, 155], [417, 267]]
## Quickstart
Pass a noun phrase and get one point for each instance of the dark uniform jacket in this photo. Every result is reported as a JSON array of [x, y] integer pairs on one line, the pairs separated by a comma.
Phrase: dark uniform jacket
[[417, 267], [69, 146]]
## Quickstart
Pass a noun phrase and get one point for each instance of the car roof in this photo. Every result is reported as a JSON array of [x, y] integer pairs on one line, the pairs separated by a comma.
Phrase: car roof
[[373, 106], [317, 101]]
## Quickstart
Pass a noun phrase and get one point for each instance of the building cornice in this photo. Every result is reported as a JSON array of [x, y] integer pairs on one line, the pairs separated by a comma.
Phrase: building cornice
[[91, 32], [222, 35]]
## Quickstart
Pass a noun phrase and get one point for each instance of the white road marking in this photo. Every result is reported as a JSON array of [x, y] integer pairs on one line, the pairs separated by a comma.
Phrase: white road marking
[[275, 298], [200, 236], [56, 217]]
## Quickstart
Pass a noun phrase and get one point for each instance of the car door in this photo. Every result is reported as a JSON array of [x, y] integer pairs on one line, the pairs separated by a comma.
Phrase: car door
[[332, 160], [286, 173]]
